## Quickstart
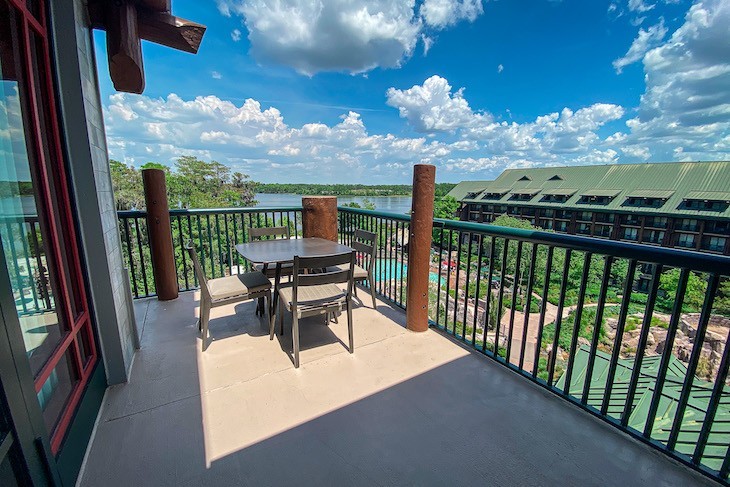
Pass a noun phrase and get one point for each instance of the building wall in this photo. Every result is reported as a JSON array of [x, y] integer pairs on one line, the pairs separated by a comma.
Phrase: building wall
[[83, 129], [684, 232]]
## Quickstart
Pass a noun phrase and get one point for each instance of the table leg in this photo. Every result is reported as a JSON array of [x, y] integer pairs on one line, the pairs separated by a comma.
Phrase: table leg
[[275, 297]]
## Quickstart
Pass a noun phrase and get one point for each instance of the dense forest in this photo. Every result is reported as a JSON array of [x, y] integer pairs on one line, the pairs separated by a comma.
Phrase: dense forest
[[194, 183]]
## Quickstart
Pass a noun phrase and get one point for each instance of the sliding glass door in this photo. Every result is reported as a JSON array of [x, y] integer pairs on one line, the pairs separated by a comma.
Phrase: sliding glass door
[[37, 227]]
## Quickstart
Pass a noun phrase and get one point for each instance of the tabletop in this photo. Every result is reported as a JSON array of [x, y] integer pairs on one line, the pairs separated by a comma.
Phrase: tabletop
[[283, 250]]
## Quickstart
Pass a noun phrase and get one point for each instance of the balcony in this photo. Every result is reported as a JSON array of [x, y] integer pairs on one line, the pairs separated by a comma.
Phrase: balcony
[[405, 408], [539, 344]]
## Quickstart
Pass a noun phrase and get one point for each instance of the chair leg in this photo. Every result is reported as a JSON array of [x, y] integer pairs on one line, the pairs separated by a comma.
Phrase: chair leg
[[295, 339], [271, 320], [204, 318], [349, 326], [372, 294], [281, 318]]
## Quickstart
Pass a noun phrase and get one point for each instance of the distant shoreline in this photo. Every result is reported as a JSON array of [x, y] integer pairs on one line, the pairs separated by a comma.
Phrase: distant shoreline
[[354, 190]]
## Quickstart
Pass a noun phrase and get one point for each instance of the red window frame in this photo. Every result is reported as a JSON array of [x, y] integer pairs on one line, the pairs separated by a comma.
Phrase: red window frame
[[52, 174]]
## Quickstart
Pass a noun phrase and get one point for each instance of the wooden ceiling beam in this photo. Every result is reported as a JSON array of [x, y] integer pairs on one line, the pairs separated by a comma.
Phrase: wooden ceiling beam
[[171, 31], [124, 48], [127, 22]]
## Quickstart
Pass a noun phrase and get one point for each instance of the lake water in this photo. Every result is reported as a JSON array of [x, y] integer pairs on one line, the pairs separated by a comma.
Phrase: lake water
[[392, 204]]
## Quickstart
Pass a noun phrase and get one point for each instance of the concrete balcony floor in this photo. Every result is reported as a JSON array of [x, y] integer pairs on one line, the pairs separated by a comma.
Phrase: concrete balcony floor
[[404, 409]]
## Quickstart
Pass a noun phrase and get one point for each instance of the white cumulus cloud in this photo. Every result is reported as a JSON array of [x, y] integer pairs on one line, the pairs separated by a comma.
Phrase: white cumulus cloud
[[432, 107], [353, 36], [443, 13], [645, 40]]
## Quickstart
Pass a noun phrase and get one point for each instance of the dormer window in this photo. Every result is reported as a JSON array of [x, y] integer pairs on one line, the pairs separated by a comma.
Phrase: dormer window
[[717, 201], [523, 194], [598, 196], [525, 178], [494, 193], [557, 177], [647, 198], [558, 195]]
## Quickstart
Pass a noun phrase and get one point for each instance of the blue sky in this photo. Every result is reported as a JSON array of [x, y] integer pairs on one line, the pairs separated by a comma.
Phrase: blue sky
[[358, 91]]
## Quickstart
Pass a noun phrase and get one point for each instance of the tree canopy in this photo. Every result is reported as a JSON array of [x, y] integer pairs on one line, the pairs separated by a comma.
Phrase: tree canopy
[[192, 183]]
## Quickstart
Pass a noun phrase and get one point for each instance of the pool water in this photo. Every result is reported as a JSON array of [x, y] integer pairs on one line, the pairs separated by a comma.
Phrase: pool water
[[388, 269]]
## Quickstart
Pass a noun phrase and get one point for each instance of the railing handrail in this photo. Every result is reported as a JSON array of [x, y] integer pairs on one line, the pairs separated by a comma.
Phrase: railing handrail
[[673, 257], [667, 256], [211, 211], [375, 213]]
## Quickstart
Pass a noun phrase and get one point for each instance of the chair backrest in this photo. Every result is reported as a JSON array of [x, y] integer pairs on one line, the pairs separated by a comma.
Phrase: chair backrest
[[199, 273], [268, 233], [365, 242], [328, 271]]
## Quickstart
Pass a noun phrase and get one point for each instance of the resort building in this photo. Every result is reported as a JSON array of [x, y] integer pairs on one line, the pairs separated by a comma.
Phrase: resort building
[[683, 204]]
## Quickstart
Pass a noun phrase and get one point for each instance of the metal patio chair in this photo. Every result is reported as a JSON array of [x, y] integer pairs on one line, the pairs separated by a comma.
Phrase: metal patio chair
[[365, 243], [317, 293], [225, 290]]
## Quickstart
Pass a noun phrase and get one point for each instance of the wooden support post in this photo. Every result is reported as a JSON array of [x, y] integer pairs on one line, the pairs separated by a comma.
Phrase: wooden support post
[[419, 246], [124, 48], [160, 234], [319, 217]]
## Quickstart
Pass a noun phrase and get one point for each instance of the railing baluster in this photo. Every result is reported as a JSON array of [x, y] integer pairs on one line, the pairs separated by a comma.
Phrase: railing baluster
[[526, 305], [26, 252], [142, 265], [693, 360], [457, 282], [667, 352], [488, 295], [500, 298], [623, 313], [718, 390], [438, 282], [543, 309], [559, 316], [641, 346], [182, 252], [131, 259], [577, 322], [192, 239], [16, 268], [448, 282], [480, 254], [598, 324], [466, 288], [41, 272], [513, 304]]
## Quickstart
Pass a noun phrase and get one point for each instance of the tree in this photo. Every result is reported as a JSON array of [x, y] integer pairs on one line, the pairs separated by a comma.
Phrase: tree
[[366, 204], [127, 185], [193, 183], [694, 295], [722, 302]]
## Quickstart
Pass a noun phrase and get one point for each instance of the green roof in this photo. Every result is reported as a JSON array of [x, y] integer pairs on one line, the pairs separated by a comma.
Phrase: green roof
[[697, 404], [650, 193], [673, 181], [610, 193], [460, 191], [560, 192], [708, 195]]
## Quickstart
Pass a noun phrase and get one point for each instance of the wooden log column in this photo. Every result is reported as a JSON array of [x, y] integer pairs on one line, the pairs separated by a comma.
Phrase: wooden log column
[[419, 246], [319, 217], [160, 232]]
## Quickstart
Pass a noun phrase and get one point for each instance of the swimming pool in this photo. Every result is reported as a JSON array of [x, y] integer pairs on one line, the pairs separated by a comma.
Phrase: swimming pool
[[388, 269]]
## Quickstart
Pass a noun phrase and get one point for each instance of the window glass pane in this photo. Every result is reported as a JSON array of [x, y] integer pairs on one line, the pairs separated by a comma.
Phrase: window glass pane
[[57, 214], [21, 212], [56, 390]]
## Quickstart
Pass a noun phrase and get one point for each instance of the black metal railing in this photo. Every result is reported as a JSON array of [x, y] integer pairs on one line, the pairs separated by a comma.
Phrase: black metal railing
[[635, 334], [26, 262], [213, 231], [390, 264]]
